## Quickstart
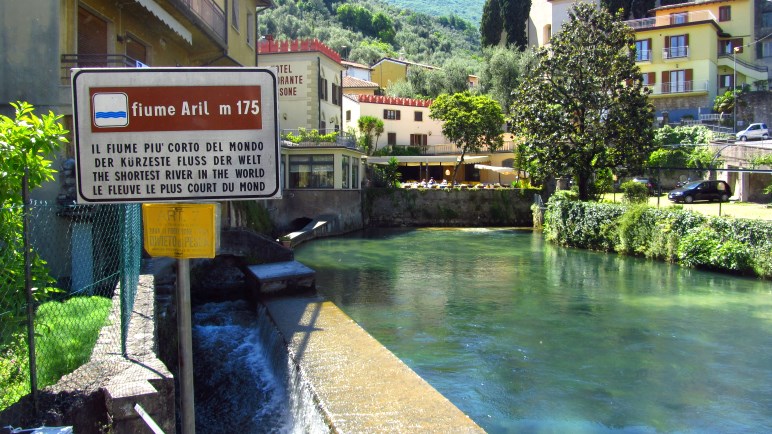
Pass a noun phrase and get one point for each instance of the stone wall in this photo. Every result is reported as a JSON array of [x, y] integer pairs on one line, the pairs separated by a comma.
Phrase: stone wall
[[755, 107], [418, 207], [345, 206]]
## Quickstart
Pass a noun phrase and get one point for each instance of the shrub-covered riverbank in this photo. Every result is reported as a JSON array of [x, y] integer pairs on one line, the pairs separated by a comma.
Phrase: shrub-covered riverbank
[[738, 246]]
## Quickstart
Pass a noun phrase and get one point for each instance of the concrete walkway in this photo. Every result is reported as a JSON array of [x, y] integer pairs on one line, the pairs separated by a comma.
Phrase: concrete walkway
[[361, 386]]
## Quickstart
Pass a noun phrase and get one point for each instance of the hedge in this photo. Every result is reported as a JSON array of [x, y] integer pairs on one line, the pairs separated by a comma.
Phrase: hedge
[[739, 246]]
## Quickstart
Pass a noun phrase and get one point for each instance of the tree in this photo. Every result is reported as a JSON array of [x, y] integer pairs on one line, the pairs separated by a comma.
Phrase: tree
[[25, 141], [370, 126], [469, 121], [491, 24], [584, 107], [503, 71], [724, 104], [514, 14]]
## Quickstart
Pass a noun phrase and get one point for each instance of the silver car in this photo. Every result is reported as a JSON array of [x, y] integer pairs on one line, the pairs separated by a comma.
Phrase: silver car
[[754, 131]]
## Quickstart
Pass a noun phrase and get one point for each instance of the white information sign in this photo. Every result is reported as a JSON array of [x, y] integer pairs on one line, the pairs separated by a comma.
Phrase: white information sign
[[176, 134]]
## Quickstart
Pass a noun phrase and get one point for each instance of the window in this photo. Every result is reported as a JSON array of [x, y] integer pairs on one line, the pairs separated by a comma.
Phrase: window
[[311, 171], [323, 127], [766, 19], [418, 139], [766, 49], [724, 13], [355, 174], [391, 114], [391, 139], [235, 14], [676, 46], [419, 116], [547, 35], [725, 46], [678, 81], [348, 115], [345, 168], [643, 50], [251, 30], [648, 78], [725, 80], [679, 18], [336, 94], [323, 89]]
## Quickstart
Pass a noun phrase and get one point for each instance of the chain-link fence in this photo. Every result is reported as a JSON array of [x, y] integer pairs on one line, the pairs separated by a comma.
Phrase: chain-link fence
[[57, 295]]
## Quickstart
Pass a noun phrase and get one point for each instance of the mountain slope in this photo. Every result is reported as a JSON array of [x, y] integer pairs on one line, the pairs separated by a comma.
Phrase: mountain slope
[[470, 10]]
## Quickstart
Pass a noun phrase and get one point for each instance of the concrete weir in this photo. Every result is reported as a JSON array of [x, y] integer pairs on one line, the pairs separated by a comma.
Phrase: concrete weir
[[359, 385]]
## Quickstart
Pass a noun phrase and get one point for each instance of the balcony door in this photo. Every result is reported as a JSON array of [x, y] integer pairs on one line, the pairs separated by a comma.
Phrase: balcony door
[[92, 39]]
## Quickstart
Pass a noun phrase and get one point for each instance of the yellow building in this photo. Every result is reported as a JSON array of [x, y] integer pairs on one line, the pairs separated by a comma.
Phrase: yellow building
[[388, 70], [691, 52]]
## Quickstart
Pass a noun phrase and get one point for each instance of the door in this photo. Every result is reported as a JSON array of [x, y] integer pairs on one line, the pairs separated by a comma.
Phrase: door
[[92, 39]]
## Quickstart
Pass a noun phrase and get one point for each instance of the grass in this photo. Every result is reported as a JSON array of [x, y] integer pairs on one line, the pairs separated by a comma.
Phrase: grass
[[66, 332], [746, 210]]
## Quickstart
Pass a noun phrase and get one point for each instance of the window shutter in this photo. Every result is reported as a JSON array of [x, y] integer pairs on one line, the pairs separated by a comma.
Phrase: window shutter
[[686, 39], [665, 84], [688, 86], [398, 112], [652, 77], [667, 42], [385, 112]]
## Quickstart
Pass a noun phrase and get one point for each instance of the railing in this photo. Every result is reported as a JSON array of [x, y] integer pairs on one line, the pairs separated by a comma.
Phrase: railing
[[314, 138], [675, 52], [757, 68], [69, 61], [210, 14], [667, 20], [643, 56], [670, 87], [449, 148]]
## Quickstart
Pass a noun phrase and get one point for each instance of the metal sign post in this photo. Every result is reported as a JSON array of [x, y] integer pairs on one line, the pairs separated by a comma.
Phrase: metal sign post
[[177, 135]]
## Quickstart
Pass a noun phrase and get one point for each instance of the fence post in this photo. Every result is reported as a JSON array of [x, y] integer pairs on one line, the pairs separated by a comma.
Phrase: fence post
[[28, 287]]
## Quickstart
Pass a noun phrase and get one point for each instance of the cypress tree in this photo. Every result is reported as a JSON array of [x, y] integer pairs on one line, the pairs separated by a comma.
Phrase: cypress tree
[[491, 24], [515, 15]]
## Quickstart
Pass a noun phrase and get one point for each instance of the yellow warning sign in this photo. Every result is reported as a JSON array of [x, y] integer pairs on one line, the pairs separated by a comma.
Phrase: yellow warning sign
[[181, 231]]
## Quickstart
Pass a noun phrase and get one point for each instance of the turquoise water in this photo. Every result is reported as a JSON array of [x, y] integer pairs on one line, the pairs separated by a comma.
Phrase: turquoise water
[[524, 336]]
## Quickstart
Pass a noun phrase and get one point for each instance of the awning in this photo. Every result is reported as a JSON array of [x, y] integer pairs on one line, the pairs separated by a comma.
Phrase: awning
[[498, 169], [167, 19], [428, 160]]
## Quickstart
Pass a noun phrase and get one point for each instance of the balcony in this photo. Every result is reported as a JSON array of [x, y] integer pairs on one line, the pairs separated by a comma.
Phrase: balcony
[[671, 20], [643, 56], [675, 52], [69, 61], [679, 87], [208, 13]]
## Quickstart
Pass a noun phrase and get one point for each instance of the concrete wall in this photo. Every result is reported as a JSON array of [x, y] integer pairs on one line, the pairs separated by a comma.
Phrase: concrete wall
[[416, 207]]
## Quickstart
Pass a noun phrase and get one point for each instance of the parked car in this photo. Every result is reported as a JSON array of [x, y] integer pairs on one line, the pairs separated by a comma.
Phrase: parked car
[[754, 131], [651, 184], [701, 190]]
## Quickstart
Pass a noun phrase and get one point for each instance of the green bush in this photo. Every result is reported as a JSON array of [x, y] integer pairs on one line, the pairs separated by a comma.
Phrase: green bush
[[719, 243], [634, 192]]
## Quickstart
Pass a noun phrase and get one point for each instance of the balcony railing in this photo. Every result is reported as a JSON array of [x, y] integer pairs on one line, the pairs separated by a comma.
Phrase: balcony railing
[[210, 14], [667, 20], [677, 87], [69, 61], [315, 138], [643, 56], [675, 52]]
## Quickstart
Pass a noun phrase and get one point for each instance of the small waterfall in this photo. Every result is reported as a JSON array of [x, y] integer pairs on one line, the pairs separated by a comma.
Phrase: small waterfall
[[303, 408], [244, 380]]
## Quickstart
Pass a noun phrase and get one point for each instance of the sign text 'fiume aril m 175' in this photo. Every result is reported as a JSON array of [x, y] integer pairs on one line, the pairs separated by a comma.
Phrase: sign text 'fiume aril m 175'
[[176, 134]]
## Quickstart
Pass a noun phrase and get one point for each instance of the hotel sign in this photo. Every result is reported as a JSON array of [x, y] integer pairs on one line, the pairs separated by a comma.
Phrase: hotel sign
[[175, 134]]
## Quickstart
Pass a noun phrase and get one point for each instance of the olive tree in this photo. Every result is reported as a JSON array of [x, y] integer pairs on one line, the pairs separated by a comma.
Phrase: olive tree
[[469, 121]]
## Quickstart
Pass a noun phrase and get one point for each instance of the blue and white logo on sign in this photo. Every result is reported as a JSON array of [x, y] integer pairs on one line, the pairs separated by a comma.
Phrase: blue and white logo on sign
[[111, 109]]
